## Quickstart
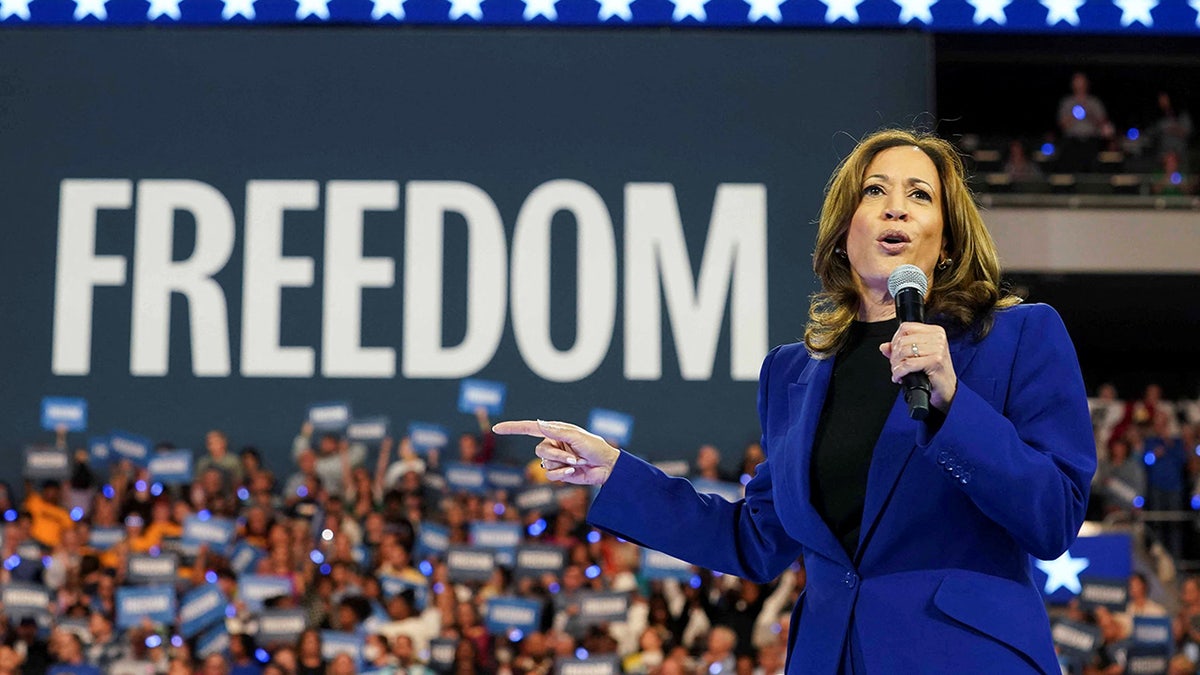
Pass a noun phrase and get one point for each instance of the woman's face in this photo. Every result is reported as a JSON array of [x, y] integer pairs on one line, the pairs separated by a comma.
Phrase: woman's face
[[898, 220]]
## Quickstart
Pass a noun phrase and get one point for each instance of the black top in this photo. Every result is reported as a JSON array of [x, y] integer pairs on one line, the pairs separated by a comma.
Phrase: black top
[[860, 397]]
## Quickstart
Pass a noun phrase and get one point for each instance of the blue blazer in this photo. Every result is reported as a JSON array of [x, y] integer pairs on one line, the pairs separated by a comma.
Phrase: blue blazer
[[940, 582]]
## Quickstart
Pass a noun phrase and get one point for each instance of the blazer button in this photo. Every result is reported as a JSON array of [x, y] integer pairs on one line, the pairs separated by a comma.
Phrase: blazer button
[[943, 457], [965, 477], [851, 580]]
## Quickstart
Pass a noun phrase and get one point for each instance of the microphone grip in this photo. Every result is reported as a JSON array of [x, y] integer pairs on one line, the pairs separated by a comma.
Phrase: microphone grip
[[916, 394]]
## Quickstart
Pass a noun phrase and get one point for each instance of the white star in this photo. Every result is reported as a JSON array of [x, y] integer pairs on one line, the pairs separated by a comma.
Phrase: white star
[[768, 9], [841, 9], [1136, 10], [916, 9], [1062, 10], [307, 8], [470, 8], [1063, 572], [535, 8], [234, 8], [392, 8], [611, 8], [21, 8], [163, 7], [92, 7], [989, 9], [1194, 4], [692, 8]]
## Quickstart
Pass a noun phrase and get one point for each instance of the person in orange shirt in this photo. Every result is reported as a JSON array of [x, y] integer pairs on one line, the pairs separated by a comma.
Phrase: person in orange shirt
[[49, 517], [161, 526]]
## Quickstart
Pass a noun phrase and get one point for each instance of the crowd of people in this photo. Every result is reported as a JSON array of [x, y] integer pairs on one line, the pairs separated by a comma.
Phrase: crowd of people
[[347, 528]]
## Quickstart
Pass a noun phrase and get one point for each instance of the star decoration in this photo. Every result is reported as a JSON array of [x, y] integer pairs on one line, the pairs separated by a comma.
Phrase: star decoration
[[989, 9], [1136, 10], [916, 9], [307, 8], [94, 8], [163, 8], [620, 8], [536, 8], [768, 9], [244, 8], [686, 8], [1194, 4], [392, 8], [471, 8], [841, 9], [1063, 572], [20, 8], [1062, 10]]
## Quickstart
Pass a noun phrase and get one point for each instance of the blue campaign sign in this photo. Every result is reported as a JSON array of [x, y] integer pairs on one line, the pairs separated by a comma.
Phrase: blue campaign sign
[[46, 463], [731, 492], [336, 642], [71, 413], [98, 454], [368, 429], [425, 436], [505, 477], [245, 557], [171, 468], [602, 607], [104, 538], [201, 608], [614, 427], [141, 568], [214, 641], [473, 394], [466, 563], [63, 669], [1075, 639], [541, 498], [331, 416], [1105, 556], [255, 589], [218, 533], [432, 540], [25, 599], [657, 565], [1109, 593], [1151, 630], [395, 586], [592, 665], [500, 538], [281, 625], [534, 560], [134, 604], [130, 446], [441, 653], [1147, 659], [465, 478], [504, 613]]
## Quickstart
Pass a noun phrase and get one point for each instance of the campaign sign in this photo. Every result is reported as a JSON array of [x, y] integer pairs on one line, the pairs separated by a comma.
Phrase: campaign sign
[[674, 467], [602, 607], [81, 669], [134, 604], [336, 642], [98, 454], [255, 589], [441, 654], [141, 568], [534, 560], [332, 416], [200, 608], [465, 478], [593, 665], [425, 436], [104, 538], [540, 498], [171, 468], [657, 565], [731, 492], [215, 641], [1120, 490], [24, 599], [281, 625], [505, 613], [612, 426], [501, 538], [1074, 638], [393, 586], [216, 532], [466, 563], [433, 540], [505, 477], [1104, 556], [1151, 630], [244, 558], [473, 394], [46, 463], [1110, 593], [368, 429], [129, 446], [71, 413], [1147, 659]]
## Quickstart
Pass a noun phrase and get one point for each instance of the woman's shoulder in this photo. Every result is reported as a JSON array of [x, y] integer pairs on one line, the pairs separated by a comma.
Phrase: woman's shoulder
[[1024, 316]]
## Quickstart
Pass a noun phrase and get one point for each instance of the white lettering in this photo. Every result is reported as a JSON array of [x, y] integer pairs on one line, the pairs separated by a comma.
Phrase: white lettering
[[200, 606], [1072, 637], [586, 669], [127, 447], [464, 477], [506, 614], [541, 560], [469, 560], [282, 625], [146, 605], [46, 460], [169, 465], [20, 597], [603, 606], [64, 412], [497, 538]]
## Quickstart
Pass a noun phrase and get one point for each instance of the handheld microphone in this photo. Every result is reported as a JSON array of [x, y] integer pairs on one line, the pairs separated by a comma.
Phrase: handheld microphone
[[908, 285]]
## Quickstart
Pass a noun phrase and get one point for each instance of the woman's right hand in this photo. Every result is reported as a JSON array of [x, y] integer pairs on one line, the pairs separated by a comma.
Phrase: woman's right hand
[[569, 454]]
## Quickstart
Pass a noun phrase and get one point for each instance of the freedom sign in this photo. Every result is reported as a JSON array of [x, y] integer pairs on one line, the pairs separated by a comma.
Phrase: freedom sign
[[201, 608], [70, 413], [505, 613], [134, 604]]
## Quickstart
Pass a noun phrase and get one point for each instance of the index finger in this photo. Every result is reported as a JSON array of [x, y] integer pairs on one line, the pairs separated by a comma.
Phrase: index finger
[[518, 428]]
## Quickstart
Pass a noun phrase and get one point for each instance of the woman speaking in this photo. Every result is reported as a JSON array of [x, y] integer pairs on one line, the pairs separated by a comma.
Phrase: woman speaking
[[916, 534]]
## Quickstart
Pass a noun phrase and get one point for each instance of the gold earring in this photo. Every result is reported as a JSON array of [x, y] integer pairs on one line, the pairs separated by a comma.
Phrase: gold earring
[[945, 264], [840, 251]]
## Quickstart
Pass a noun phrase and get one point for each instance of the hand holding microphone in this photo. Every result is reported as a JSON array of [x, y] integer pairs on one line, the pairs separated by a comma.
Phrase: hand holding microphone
[[919, 352]]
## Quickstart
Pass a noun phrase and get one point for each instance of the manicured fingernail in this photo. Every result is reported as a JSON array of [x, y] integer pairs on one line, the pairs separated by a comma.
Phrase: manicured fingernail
[[572, 460], [570, 470]]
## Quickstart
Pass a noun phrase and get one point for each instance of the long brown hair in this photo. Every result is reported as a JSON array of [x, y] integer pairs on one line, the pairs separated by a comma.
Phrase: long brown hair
[[963, 295]]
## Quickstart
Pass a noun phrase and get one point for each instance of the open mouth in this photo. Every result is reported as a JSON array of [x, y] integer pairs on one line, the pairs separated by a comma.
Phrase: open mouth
[[894, 237]]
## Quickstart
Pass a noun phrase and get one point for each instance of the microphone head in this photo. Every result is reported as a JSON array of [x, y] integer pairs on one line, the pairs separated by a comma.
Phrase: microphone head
[[907, 276]]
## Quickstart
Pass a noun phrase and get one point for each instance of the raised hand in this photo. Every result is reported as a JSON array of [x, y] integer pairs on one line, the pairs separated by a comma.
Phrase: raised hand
[[569, 454]]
